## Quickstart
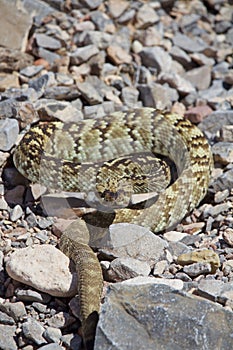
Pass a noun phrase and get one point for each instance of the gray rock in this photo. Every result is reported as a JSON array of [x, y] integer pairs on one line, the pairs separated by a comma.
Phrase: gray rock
[[225, 181], [9, 130], [41, 83], [223, 152], [52, 335], [47, 42], [61, 320], [5, 319], [156, 95], [129, 240], [197, 269], [227, 133], [16, 213], [116, 9], [229, 36], [89, 93], [30, 71], [216, 290], [216, 120], [150, 314], [156, 57], [92, 4], [188, 44], [83, 54], [199, 77], [68, 93], [62, 110], [100, 39], [180, 56], [215, 90], [7, 337], [15, 310], [178, 82], [127, 16], [202, 59], [121, 269], [10, 37], [33, 331], [220, 196], [129, 96], [146, 16], [72, 341], [49, 56], [102, 21]]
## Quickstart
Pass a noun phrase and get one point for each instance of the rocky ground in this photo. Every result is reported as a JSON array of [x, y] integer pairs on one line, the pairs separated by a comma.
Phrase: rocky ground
[[70, 60]]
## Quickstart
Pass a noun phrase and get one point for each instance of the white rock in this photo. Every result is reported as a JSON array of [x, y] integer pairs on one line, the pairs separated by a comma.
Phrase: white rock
[[43, 267], [174, 283], [174, 236]]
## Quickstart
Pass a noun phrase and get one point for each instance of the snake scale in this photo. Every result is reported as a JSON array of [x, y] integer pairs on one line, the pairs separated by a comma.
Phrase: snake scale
[[70, 157]]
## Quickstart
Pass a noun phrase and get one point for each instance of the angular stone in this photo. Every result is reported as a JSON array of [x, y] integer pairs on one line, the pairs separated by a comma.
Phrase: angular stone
[[16, 213], [44, 268], [89, 93], [61, 320], [197, 269], [129, 96], [33, 331], [118, 55], [227, 133], [207, 256], [180, 56], [13, 60], [223, 152], [116, 8], [30, 71], [216, 120], [156, 95], [41, 83], [51, 57], [102, 21], [12, 14], [146, 16], [15, 310], [198, 113], [188, 44], [99, 39], [199, 77], [156, 57], [83, 54], [92, 4], [149, 313], [216, 290], [228, 236], [121, 269], [47, 42], [178, 82], [7, 337], [9, 130], [8, 81], [129, 240], [61, 110]]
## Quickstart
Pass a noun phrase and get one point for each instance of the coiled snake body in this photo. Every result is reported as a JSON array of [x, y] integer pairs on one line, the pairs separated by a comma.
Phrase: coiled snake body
[[70, 156]]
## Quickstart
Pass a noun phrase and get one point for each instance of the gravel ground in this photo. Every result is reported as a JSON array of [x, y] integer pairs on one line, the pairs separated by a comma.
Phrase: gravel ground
[[69, 60]]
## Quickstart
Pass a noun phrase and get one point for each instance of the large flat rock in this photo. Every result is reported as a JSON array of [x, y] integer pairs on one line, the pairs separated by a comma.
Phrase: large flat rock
[[157, 317]]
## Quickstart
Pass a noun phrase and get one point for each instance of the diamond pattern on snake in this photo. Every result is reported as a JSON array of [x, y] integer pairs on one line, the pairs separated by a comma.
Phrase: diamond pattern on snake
[[112, 157]]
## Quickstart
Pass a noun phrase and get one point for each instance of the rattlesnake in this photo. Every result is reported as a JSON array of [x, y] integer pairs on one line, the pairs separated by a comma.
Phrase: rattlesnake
[[69, 156]]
